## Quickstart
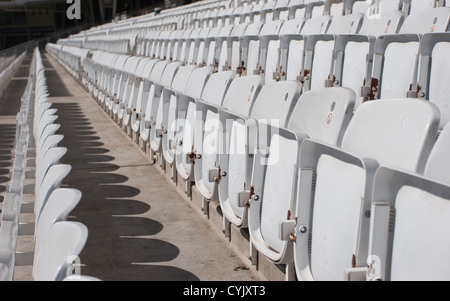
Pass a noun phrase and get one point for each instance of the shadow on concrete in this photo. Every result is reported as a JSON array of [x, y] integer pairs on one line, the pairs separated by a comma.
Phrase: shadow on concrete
[[118, 247]]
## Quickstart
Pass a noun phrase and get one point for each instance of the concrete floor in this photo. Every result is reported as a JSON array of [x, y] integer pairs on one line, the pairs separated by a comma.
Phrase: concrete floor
[[140, 227]]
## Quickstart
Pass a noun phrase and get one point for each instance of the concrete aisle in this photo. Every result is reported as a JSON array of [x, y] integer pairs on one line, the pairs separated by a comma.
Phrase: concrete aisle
[[140, 227]]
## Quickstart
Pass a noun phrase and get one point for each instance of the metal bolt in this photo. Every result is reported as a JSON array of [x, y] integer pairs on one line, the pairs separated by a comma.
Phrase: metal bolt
[[199, 156], [302, 229], [255, 197], [224, 173]]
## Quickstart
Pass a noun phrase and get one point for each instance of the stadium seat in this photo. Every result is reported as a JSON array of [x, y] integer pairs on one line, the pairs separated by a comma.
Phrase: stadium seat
[[321, 114], [403, 138], [59, 250], [402, 199]]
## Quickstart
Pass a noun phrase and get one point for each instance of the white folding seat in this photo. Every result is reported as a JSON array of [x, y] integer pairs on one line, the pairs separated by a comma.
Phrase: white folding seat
[[206, 132], [62, 245], [183, 47], [331, 233], [169, 44], [150, 97], [267, 11], [232, 16], [346, 24], [292, 46], [50, 158], [334, 8], [81, 278], [96, 79], [129, 78], [141, 95], [211, 20], [169, 103], [204, 54], [244, 15], [256, 14], [217, 56], [321, 114], [109, 74], [357, 6], [137, 86], [412, 7], [60, 203], [209, 49], [177, 44], [316, 25], [221, 62], [45, 122], [251, 47], [203, 21], [296, 9], [42, 110], [271, 107], [157, 50], [291, 27], [104, 78], [234, 48], [314, 9], [220, 16], [52, 180], [228, 16], [281, 10], [389, 5], [437, 165], [116, 75], [269, 51], [433, 78], [233, 163], [388, 22], [402, 199], [319, 50], [396, 56], [353, 54], [291, 52], [197, 53], [150, 42], [6, 265], [190, 48], [352, 67], [87, 63], [185, 125]]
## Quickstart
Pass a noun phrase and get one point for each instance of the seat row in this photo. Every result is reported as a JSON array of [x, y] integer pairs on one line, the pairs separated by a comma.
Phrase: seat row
[[254, 167], [374, 66], [53, 257], [299, 159]]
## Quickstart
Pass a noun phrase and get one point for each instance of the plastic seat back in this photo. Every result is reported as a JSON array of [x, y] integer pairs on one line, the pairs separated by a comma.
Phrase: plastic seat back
[[402, 140], [60, 203], [62, 245], [344, 178]]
